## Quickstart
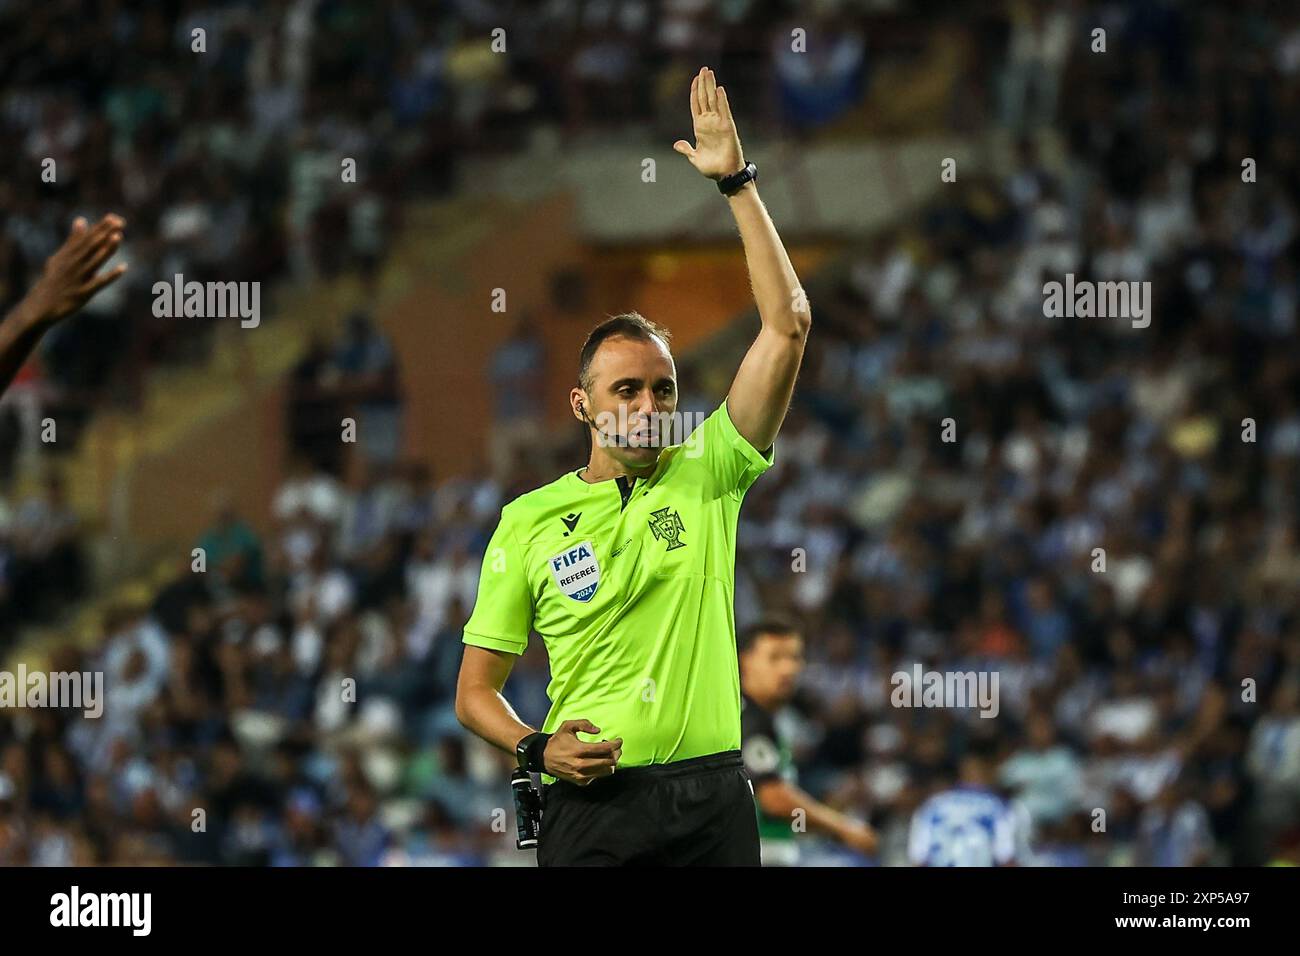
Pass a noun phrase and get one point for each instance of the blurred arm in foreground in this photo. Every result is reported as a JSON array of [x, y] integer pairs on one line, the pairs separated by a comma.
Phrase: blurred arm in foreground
[[69, 280]]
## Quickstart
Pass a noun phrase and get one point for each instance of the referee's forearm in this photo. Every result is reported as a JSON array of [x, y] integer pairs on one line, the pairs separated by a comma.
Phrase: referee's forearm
[[483, 711], [771, 274]]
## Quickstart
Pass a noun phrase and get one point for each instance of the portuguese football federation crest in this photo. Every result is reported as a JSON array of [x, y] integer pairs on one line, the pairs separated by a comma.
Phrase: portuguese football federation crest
[[667, 526]]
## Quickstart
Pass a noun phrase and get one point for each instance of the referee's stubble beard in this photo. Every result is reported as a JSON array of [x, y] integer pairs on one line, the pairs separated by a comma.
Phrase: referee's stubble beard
[[633, 381]]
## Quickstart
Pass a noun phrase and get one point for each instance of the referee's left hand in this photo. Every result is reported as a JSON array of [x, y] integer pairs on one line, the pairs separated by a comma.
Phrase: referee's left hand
[[579, 762]]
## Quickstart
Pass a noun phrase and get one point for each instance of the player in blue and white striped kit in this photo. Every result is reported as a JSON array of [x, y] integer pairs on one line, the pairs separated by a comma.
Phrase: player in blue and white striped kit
[[970, 824]]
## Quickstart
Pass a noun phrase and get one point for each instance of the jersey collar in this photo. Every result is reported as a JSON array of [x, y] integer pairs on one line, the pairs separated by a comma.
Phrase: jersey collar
[[624, 485]]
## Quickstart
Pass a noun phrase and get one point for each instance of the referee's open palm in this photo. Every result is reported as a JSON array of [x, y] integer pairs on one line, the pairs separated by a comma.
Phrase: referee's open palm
[[716, 152], [571, 759]]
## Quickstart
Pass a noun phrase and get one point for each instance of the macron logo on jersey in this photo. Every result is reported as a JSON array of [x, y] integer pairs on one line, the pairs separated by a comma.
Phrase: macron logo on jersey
[[576, 571]]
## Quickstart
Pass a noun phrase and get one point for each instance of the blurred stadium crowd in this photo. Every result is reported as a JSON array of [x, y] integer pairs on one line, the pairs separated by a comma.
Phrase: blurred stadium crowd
[[1121, 689], [225, 161]]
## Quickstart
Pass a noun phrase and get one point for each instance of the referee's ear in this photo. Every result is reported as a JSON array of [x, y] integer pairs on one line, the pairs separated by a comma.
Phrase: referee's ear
[[579, 402]]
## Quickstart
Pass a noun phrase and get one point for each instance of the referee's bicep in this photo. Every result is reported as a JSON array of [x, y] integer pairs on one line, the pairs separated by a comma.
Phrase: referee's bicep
[[503, 607], [483, 666]]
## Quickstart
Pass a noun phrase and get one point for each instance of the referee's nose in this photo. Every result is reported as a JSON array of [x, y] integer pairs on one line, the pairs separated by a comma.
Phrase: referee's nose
[[646, 404], [637, 417], [644, 410]]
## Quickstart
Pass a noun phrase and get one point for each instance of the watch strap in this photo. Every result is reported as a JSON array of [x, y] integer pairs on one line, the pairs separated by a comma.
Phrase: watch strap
[[729, 185], [530, 752]]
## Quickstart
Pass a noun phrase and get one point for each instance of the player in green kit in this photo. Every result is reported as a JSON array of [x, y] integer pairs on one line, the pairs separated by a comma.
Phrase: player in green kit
[[626, 570], [771, 659]]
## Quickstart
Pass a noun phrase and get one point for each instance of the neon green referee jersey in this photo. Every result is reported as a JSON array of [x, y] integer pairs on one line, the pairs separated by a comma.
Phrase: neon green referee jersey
[[632, 594]]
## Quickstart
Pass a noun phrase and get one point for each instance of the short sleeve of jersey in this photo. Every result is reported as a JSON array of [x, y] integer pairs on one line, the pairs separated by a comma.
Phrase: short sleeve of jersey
[[759, 748], [503, 608], [726, 454]]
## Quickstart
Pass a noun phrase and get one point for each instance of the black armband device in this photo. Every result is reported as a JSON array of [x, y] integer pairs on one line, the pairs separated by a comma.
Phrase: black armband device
[[529, 752], [729, 185]]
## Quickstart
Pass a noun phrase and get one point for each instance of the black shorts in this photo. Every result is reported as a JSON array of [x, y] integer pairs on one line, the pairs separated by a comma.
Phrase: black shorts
[[697, 812]]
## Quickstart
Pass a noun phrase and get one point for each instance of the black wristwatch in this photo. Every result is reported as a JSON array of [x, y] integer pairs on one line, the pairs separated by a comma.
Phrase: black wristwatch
[[529, 752], [729, 185]]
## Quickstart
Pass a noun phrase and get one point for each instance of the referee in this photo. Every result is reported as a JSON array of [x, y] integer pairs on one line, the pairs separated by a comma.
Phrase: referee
[[626, 570]]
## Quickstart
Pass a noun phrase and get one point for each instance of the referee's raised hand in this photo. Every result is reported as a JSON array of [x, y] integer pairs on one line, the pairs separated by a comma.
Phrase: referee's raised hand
[[717, 151], [569, 758]]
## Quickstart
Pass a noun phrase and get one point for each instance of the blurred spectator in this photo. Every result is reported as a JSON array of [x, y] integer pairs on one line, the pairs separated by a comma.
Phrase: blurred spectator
[[516, 375], [232, 551], [42, 564], [367, 375]]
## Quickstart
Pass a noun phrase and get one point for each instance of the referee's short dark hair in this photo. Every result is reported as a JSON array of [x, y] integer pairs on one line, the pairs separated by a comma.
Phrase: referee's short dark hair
[[780, 626], [632, 325]]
